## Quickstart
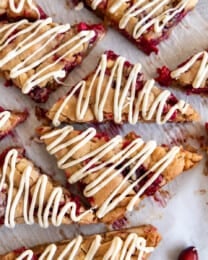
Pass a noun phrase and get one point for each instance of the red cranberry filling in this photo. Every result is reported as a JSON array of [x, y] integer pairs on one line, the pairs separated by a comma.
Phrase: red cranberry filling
[[43, 15], [77, 201], [98, 29], [155, 186], [197, 91], [119, 223], [40, 95], [20, 250]]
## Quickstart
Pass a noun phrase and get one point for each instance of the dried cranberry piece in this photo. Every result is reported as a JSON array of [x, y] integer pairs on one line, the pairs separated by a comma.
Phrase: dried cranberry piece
[[148, 46], [98, 29], [40, 95], [153, 188], [77, 201], [2, 109], [20, 250], [102, 135], [119, 223], [8, 83], [140, 171], [164, 77], [43, 15], [189, 253], [111, 55]]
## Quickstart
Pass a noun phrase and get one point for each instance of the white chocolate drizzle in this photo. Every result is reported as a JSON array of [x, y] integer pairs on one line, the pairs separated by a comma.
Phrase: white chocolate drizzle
[[202, 73], [133, 155], [149, 13], [47, 211], [18, 6], [34, 35], [4, 117], [118, 249], [125, 97]]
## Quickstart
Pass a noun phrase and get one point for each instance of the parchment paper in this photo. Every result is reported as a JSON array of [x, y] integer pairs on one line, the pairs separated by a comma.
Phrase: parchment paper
[[184, 220]]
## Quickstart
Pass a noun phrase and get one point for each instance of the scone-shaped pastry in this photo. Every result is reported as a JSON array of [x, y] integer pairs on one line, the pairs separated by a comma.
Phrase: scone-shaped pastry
[[191, 75], [116, 91], [9, 120], [18, 9], [145, 22], [27, 196], [135, 243], [35, 56], [115, 174]]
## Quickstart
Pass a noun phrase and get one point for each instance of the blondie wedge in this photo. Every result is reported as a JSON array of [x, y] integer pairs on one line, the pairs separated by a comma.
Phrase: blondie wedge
[[36, 56], [114, 174], [116, 91], [145, 22], [28, 196]]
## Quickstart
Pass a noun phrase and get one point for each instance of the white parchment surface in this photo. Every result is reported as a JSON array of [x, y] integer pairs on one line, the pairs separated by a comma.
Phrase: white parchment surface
[[184, 220]]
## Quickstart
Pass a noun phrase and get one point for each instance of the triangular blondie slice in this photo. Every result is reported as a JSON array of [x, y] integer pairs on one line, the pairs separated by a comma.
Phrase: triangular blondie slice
[[36, 56], [134, 243], [145, 23], [19, 9], [116, 91], [115, 173]]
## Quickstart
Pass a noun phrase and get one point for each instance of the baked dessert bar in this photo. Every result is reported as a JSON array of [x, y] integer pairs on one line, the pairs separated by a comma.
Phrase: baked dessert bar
[[116, 91], [145, 22], [36, 56], [135, 243], [114, 174], [9, 120], [191, 75], [27, 196], [18, 9]]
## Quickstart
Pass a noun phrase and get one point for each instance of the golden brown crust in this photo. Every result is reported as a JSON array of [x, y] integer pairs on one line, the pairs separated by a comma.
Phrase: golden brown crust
[[184, 160], [148, 232]]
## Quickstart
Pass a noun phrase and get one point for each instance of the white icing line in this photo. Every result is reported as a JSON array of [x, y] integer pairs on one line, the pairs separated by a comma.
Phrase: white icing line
[[4, 117], [129, 247]]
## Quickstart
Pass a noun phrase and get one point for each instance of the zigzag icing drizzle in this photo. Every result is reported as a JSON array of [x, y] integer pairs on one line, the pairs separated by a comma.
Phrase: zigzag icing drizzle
[[202, 73], [18, 6], [124, 97], [134, 155], [4, 117], [150, 13], [125, 248], [34, 30], [45, 210]]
